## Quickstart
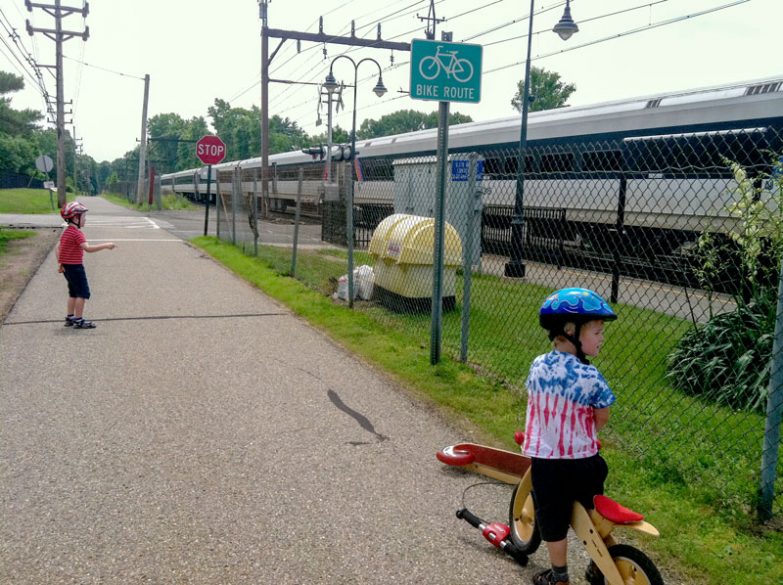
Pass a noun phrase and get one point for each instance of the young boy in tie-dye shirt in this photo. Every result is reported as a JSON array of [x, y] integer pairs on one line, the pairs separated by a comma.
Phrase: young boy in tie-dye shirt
[[568, 403]]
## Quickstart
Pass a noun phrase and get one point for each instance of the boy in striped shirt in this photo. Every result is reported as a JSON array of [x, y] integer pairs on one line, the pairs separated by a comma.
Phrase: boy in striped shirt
[[70, 256]]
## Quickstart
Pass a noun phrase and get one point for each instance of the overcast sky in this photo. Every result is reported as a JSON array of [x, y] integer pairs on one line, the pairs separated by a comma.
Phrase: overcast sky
[[198, 50]]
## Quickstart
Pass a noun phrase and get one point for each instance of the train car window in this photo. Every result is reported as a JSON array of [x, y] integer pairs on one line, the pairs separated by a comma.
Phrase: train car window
[[705, 153], [505, 166], [377, 169], [561, 162], [602, 160]]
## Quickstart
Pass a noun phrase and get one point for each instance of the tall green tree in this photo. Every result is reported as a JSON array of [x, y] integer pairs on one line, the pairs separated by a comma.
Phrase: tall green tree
[[546, 89], [285, 135], [14, 122], [18, 146], [239, 128], [404, 121]]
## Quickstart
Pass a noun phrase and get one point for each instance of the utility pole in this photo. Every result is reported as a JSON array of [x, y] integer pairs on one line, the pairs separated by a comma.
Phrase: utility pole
[[429, 32], [59, 36], [143, 142], [76, 152]]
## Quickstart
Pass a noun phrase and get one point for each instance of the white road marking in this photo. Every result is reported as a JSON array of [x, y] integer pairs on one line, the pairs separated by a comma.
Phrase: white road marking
[[126, 222]]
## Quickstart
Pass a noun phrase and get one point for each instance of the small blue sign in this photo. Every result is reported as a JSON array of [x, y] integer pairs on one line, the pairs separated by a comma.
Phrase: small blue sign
[[460, 170]]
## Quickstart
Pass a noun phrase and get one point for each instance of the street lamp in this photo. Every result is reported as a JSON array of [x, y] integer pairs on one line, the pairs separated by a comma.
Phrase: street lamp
[[330, 84], [515, 268]]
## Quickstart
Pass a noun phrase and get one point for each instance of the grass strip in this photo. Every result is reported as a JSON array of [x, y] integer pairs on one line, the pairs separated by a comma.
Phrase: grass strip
[[23, 201]]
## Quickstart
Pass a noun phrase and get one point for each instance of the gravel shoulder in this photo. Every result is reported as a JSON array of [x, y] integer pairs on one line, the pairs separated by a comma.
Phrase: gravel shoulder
[[20, 262]]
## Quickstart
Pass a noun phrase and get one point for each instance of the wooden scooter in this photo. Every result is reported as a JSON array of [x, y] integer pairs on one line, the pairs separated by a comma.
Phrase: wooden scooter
[[612, 563]]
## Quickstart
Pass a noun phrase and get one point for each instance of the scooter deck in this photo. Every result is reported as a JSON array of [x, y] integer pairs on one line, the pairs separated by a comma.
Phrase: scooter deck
[[499, 464]]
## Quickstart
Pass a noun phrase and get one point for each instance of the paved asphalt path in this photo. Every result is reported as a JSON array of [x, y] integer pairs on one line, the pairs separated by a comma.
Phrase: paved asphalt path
[[204, 435]]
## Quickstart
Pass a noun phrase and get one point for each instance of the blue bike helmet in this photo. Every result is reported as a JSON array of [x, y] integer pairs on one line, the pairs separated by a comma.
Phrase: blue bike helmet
[[573, 305]]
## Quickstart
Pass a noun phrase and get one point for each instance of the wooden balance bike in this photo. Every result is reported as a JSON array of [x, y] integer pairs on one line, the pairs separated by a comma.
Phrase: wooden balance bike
[[611, 563]]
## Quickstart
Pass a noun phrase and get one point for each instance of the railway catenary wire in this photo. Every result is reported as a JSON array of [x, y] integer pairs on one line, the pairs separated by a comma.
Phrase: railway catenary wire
[[309, 76], [663, 154], [291, 108]]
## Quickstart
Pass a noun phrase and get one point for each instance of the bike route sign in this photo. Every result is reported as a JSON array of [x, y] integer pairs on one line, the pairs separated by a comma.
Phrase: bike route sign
[[445, 72]]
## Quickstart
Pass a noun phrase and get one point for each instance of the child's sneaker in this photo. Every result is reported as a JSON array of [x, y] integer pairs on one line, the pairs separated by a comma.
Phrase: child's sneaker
[[69, 320], [83, 324], [547, 578]]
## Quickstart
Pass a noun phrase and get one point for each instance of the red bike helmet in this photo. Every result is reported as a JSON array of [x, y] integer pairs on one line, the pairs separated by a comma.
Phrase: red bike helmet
[[72, 209]]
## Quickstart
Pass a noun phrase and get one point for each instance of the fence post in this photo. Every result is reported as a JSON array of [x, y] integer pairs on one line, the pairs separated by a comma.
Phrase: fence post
[[436, 324], [234, 198], [769, 454], [256, 219], [296, 220], [471, 209], [619, 230]]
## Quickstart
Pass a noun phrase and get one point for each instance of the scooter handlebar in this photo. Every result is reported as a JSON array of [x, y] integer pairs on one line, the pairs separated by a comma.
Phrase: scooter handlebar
[[469, 517]]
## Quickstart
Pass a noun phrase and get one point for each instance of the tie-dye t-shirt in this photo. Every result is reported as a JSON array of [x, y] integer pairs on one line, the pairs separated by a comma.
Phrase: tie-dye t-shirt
[[562, 394]]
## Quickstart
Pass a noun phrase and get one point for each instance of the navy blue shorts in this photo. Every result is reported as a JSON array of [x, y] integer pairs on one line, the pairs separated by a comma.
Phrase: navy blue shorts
[[557, 483], [77, 281]]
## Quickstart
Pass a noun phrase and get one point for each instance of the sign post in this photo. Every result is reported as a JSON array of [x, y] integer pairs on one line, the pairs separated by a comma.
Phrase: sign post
[[210, 150], [45, 164], [444, 72]]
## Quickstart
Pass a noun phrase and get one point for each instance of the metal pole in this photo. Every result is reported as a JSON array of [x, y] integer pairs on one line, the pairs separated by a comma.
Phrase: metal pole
[[618, 234], [516, 267], [264, 107], [472, 207], [296, 220], [440, 197], [234, 197], [255, 212], [349, 206], [209, 195], [769, 455]]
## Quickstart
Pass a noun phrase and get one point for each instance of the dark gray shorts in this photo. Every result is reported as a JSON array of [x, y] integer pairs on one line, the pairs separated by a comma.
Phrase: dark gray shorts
[[77, 281], [557, 483]]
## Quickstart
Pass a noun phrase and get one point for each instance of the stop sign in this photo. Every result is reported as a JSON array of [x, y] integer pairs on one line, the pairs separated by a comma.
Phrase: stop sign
[[210, 149]]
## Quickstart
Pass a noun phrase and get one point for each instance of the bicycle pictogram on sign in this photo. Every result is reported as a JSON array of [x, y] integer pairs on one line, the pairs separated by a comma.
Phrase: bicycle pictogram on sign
[[460, 69], [445, 71]]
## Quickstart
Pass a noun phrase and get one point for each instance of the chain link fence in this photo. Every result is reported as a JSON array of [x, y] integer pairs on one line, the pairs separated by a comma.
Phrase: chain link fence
[[683, 234]]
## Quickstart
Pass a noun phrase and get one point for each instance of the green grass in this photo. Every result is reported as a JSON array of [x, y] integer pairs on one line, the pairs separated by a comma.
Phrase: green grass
[[706, 534], [8, 235], [167, 202], [27, 201]]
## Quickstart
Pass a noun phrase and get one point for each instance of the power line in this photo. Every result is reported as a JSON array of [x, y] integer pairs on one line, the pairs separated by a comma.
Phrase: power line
[[622, 34], [625, 33]]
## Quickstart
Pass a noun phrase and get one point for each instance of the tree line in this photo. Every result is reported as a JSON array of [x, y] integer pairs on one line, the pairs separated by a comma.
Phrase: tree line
[[171, 137]]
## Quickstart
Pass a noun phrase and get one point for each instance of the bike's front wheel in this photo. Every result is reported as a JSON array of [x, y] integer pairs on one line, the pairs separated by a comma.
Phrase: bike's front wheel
[[463, 70], [522, 520], [635, 567]]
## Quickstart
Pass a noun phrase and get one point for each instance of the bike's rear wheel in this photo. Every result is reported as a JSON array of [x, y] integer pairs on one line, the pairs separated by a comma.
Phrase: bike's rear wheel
[[635, 567], [522, 520]]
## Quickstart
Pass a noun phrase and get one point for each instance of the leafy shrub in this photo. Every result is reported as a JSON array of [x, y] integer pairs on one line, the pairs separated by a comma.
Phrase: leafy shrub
[[727, 360]]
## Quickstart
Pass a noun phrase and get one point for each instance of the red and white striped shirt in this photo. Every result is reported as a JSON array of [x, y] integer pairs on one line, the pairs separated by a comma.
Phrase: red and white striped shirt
[[71, 246]]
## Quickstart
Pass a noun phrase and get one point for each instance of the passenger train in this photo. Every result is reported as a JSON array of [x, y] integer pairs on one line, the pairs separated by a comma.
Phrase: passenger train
[[654, 167]]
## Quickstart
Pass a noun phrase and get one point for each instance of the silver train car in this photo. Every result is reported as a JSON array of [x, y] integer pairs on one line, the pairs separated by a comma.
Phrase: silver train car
[[656, 165]]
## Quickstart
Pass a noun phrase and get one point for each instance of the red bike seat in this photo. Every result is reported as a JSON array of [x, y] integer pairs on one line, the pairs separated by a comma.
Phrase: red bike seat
[[614, 512]]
